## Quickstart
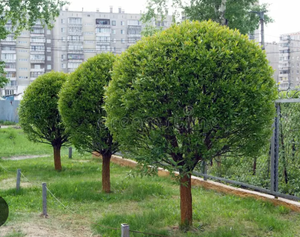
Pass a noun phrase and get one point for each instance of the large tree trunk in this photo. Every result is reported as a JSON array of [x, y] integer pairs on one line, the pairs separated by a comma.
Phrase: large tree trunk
[[106, 173], [186, 207], [57, 161]]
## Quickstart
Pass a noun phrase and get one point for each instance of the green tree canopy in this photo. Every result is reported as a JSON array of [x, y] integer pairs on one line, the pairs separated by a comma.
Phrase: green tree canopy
[[190, 93], [81, 107], [39, 116], [233, 13], [22, 15]]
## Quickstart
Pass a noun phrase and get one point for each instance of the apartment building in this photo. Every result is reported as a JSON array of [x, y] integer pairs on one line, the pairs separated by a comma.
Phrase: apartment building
[[289, 61], [272, 51], [76, 36]]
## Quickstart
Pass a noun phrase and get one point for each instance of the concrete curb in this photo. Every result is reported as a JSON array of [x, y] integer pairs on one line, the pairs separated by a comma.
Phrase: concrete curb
[[196, 181]]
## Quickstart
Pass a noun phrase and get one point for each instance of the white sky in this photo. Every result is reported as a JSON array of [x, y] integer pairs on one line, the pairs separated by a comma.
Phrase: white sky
[[284, 12]]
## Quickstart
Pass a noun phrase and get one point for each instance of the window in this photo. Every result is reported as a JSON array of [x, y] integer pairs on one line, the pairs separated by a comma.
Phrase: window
[[122, 32], [75, 29], [39, 57], [114, 32], [10, 65], [63, 56], [88, 33], [49, 67], [62, 30], [48, 49], [75, 47], [9, 92], [39, 31], [134, 31], [8, 48], [48, 41], [123, 41], [122, 23], [48, 58], [102, 30], [74, 38], [23, 68], [37, 66], [103, 48], [73, 65], [63, 65], [75, 56], [36, 48], [62, 21], [22, 42], [113, 23], [63, 39], [23, 59], [73, 20], [103, 38], [35, 74], [37, 39], [48, 32], [8, 57], [103, 22], [10, 74], [13, 83], [133, 23], [115, 40]]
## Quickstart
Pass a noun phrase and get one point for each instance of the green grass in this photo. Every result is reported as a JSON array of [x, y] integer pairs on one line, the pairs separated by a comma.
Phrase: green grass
[[149, 204], [13, 142]]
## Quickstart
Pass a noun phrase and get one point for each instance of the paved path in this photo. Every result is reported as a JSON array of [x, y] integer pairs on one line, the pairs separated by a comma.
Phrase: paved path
[[24, 157]]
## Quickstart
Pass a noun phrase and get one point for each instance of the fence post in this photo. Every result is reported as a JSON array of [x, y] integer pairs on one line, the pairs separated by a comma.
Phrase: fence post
[[70, 152], [275, 151], [44, 199], [204, 170], [18, 180], [124, 230]]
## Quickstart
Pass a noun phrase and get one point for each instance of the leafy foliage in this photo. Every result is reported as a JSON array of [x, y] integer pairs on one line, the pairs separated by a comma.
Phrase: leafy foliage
[[39, 116], [236, 13], [191, 93], [81, 105]]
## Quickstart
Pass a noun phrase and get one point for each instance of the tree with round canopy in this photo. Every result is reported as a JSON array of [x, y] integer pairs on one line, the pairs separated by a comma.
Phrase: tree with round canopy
[[188, 94]]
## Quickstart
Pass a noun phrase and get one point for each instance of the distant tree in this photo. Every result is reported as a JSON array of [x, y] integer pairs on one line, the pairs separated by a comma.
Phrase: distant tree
[[233, 13], [39, 116], [81, 108], [188, 94], [22, 15]]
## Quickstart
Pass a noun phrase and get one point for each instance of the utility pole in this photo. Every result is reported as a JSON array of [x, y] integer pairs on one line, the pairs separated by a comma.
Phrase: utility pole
[[262, 26]]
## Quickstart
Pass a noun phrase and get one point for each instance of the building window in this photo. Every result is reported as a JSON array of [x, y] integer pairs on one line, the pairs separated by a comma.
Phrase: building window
[[102, 30], [75, 20], [8, 92], [114, 32], [102, 22], [48, 67], [63, 65], [122, 23], [48, 58], [48, 41], [48, 49], [123, 41], [62, 30], [48, 32], [122, 32], [62, 21], [113, 23]]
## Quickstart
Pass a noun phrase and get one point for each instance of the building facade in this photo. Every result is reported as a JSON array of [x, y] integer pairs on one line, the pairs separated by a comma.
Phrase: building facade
[[272, 51], [289, 61], [75, 37]]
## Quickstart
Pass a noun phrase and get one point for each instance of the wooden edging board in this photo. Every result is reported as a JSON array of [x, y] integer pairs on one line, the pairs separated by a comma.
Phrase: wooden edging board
[[219, 187]]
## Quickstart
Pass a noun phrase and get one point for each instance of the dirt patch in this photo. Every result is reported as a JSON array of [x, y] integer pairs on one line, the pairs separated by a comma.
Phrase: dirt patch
[[40, 227], [11, 183], [24, 157]]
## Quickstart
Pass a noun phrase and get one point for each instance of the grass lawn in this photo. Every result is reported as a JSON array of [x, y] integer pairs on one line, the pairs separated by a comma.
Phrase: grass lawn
[[13, 142], [149, 204]]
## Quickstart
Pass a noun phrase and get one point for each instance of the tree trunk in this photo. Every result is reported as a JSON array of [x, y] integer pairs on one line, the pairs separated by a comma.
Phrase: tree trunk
[[254, 166], [106, 173], [186, 202], [57, 161]]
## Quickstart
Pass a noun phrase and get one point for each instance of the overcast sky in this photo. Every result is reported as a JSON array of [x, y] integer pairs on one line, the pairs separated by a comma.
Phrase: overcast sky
[[284, 12]]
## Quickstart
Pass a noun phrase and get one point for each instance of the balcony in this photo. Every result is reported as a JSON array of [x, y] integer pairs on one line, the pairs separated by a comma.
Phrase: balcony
[[9, 51], [37, 60], [10, 69], [102, 42], [34, 52], [37, 70], [10, 87]]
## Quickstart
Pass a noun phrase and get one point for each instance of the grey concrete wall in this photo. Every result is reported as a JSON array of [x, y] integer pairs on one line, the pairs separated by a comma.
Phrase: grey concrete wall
[[9, 110]]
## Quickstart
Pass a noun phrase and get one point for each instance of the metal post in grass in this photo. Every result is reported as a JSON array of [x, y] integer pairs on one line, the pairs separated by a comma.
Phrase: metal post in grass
[[275, 152], [70, 152], [124, 230], [204, 170], [44, 199], [18, 180]]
